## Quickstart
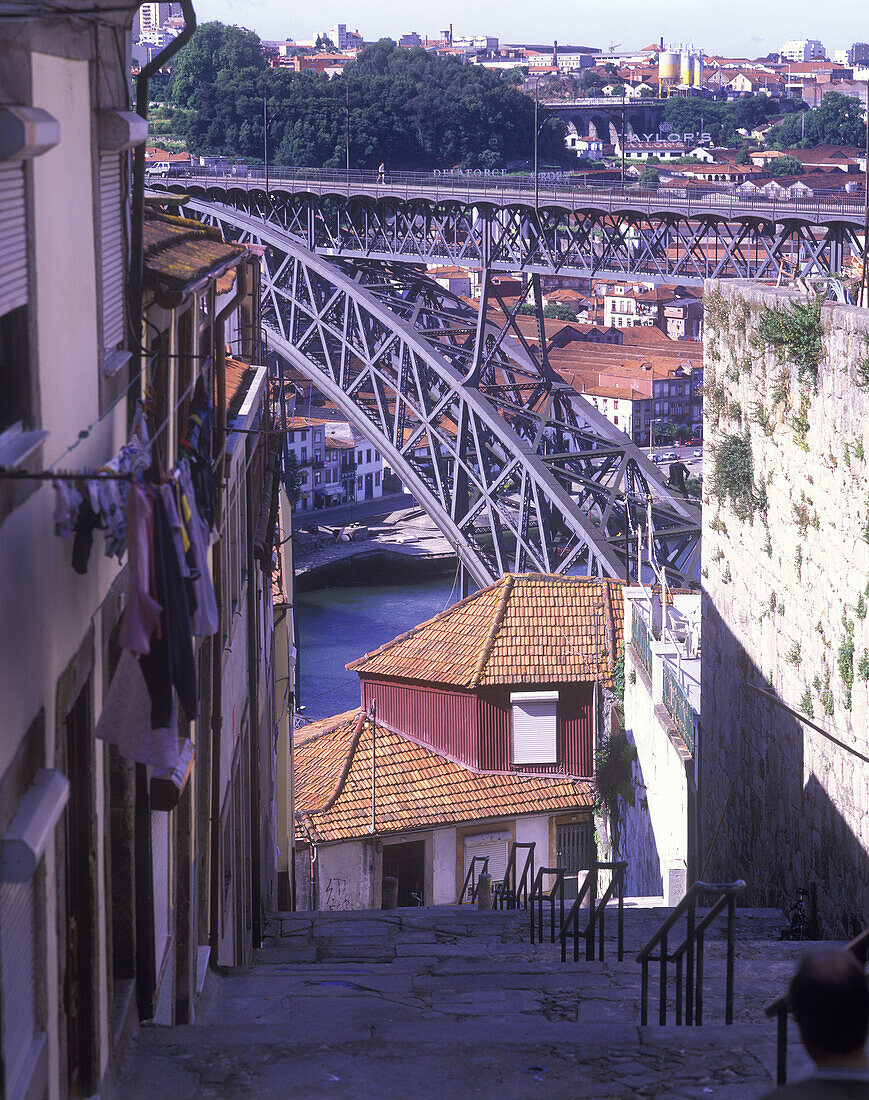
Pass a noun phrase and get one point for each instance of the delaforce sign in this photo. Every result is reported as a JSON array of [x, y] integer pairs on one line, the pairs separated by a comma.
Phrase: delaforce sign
[[481, 173]]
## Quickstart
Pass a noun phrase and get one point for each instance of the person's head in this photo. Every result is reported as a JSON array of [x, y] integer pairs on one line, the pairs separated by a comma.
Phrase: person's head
[[830, 1002]]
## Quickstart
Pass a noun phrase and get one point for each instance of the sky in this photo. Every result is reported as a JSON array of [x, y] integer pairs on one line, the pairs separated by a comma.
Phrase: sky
[[739, 28]]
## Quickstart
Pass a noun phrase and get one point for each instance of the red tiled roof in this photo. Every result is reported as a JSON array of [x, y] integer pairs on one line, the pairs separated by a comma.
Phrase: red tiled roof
[[180, 253], [415, 786], [526, 628]]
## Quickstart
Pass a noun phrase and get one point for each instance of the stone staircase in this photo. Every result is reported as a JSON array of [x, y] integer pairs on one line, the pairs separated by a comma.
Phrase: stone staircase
[[450, 1002]]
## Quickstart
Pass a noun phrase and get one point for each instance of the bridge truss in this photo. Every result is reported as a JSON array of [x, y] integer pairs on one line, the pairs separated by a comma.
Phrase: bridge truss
[[655, 236], [516, 469]]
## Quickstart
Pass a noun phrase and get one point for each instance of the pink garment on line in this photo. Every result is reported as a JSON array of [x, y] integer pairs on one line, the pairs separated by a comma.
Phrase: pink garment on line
[[143, 611]]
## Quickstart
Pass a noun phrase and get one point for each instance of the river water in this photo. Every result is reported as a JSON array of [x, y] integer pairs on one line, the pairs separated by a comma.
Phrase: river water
[[340, 624]]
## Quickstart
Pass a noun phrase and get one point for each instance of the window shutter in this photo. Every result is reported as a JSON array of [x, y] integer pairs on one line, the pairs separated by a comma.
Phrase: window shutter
[[13, 238], [113, 267], [493, 845], [18, 978], [534, 727]]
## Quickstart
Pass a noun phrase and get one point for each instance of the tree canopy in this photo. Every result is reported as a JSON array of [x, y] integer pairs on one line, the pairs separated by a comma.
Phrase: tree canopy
[[785, 166], [408, 108], [720, 119], [838, 121]]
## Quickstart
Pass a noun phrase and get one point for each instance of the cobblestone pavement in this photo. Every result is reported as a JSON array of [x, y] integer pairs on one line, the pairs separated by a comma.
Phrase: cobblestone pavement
[[448, 1003]]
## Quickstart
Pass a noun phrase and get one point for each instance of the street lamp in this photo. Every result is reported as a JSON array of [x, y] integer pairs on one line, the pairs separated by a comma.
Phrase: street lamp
[[267, 121]]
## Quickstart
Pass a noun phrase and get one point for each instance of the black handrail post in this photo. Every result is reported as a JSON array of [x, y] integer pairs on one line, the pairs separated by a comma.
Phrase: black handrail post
[[689, 978], [662, 991], [731, 951], [698, 994], [781, 1060], [679, 989], [561, 896], [622, 914]]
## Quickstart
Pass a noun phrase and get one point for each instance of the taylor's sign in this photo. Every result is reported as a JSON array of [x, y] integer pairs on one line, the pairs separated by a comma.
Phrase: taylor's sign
[[689, 138]]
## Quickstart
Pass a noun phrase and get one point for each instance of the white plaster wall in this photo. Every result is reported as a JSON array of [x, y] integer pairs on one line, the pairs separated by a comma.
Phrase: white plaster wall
[[346, 875], [536, 830], [443, 848], [654, 832]]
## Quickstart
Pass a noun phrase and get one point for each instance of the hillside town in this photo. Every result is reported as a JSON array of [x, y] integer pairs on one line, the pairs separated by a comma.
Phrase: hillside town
[[434, 562]]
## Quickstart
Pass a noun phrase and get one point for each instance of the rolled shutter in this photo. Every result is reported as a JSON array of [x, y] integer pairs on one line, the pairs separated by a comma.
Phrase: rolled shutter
[[18, 978], [13, 238], [493, 845], [534, 727], [112, 265]]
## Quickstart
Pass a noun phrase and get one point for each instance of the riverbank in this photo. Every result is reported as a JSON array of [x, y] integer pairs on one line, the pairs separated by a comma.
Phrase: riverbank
[[404, 546]]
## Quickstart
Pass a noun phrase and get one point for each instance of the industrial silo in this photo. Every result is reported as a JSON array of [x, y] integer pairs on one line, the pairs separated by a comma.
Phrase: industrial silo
[[685, 72], [668, 66]]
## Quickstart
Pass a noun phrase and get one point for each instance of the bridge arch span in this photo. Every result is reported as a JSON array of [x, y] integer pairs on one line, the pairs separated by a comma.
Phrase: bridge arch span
[[516, 469]]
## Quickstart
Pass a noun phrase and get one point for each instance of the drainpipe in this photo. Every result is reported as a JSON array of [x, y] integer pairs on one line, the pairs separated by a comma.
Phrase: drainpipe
[[138, 209]]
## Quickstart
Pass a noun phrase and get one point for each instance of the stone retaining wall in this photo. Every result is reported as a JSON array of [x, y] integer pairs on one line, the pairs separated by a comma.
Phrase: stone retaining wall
[[785, 628]]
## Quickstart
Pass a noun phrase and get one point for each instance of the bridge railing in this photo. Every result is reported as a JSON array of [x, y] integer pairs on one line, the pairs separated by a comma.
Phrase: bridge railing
[[561, 188]]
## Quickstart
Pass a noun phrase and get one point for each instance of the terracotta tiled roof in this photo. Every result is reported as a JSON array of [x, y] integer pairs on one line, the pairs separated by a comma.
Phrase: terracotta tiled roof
[[415, 786], [526, 628], [180, 252]]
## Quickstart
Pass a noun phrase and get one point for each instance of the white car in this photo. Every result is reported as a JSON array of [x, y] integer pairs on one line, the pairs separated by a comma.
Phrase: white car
[[698, 454], [670, 456]]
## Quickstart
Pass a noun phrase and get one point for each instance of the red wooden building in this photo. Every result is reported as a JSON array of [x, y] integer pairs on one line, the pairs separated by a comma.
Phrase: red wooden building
[[504, 680]]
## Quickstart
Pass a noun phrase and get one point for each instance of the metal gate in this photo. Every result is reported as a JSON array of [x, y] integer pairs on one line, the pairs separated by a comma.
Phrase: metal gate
[[575, 851]]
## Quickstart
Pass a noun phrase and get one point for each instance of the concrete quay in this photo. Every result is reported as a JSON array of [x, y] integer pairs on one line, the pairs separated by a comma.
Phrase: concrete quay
[[448, 1002]]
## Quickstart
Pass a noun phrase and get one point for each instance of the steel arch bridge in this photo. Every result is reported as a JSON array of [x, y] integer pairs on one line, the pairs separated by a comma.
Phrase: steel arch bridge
[[576, 230], [516, 469]]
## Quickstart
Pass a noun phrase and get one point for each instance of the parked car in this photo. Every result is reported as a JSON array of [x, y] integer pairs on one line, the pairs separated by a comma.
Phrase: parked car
[[657, 458], [698, 453], [670, 456]]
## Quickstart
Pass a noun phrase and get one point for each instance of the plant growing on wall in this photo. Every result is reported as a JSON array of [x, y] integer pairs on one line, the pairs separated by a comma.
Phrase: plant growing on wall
[[795, 332], [614, 779], [733, 475]]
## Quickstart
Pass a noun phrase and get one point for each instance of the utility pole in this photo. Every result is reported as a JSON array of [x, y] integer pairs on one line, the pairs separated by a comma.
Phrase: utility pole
[[266, 141], [347, 128], [373, 716], [536, 136]]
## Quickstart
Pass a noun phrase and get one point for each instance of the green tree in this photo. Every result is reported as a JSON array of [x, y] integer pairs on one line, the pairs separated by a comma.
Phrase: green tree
[[215, 52], [742, 157], [293, 477], [650, 174], [558, 311], [838, 121], [785, 166]]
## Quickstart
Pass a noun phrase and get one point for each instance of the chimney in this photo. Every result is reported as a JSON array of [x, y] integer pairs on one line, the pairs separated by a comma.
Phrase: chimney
[[555, 54]]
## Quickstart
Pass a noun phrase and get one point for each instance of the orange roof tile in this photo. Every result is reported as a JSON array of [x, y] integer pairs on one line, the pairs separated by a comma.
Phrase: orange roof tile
[[526, 628], [415, 786]]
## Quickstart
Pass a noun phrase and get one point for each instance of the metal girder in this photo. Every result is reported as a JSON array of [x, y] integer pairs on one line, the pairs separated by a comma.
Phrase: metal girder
[[666, 245], [518, 471]]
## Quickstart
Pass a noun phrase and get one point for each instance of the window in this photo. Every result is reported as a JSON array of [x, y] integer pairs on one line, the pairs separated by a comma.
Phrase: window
[[304, 454], [368, 455], [377, 478], [318, 477], [534, 727], [358, 482], [113, 274], [359, 457]]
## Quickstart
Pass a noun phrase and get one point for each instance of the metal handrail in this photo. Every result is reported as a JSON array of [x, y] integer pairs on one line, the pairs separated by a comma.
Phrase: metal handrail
[[692, 949], [473, 879], [508, 895], [570, 924], [859, 947], [538, 894], [598, 913]]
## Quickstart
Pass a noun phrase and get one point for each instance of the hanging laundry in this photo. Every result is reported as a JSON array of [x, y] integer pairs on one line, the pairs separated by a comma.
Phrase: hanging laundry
[[205, 618], [170, 660], [142, 612], [125, 719]]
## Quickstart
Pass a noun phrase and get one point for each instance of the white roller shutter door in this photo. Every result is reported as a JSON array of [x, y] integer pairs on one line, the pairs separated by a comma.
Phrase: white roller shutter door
[[534, 727], [13, 238], [112, 249], [493, 845]]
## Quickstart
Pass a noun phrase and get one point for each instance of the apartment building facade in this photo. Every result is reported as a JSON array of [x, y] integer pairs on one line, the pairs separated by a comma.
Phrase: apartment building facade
[[336, 464], [133, 855]]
